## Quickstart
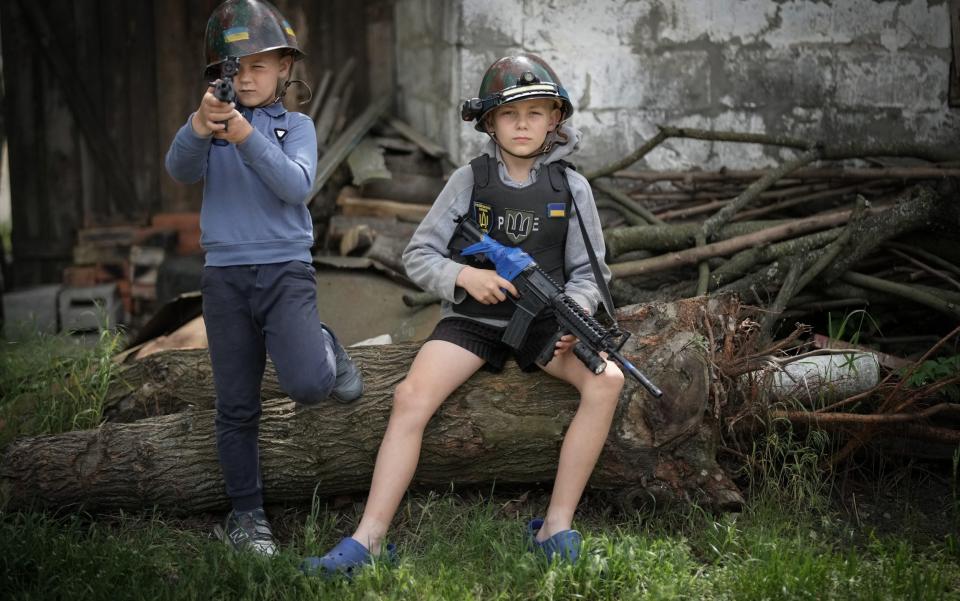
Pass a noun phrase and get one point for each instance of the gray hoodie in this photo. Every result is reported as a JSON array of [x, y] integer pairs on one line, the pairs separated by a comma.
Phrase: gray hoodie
[[427, 259]]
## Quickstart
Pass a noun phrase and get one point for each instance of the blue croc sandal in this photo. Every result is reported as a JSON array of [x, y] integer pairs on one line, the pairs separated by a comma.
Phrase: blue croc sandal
[[564, 545], [344, 559]]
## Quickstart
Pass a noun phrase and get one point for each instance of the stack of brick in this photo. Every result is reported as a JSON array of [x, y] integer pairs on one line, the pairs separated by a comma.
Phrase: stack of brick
[[115, 269]]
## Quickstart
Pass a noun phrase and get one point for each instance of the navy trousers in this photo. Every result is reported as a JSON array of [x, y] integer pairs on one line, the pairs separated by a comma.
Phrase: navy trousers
[[249, 311]]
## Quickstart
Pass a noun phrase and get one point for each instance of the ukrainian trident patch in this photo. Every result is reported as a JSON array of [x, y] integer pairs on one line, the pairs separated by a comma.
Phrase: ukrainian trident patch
[[518, 225], [482, 216]]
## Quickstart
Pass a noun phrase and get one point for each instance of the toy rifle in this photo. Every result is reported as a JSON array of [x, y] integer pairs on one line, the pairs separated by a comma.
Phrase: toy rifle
[[539, 293], [223, 90]]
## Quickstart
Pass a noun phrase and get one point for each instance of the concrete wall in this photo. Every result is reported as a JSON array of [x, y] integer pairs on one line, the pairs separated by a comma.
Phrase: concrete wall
[[864, 69]]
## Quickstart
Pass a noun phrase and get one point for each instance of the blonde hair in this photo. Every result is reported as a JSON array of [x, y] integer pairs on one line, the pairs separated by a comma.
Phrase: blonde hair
[[488, 118]]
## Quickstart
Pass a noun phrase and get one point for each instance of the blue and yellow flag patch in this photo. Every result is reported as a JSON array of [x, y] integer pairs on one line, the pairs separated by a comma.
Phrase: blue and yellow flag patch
[[288, 29], [236, 34], [557, 209]]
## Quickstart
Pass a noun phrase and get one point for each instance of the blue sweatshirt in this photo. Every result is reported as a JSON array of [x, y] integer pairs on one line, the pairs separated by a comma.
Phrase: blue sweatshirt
[[254, 193]]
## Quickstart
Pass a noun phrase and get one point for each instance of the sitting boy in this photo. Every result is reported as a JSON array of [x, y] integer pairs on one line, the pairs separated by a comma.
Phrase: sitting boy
[[521, 193]]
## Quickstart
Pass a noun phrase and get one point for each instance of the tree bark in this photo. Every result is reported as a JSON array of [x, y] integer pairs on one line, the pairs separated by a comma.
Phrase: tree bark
[[504, 428]]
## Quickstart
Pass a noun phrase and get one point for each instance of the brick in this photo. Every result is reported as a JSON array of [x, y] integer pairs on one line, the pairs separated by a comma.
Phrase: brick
[[188, 242], [176, 221], [87, 254], [122, 235], [150, 256], [187, 225], [86, 275], [161, 237]]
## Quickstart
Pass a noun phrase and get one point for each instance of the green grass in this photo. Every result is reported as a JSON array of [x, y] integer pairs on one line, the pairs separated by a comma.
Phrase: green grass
[[51, 384], [465, 548], [792, 541]]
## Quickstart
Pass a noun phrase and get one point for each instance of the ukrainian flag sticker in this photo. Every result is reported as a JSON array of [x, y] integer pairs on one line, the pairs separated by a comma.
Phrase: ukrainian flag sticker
[[557, 209], [288, 29], [236, 34]]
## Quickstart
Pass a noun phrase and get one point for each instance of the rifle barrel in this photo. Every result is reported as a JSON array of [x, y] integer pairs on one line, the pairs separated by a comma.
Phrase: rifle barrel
[[637, 374]]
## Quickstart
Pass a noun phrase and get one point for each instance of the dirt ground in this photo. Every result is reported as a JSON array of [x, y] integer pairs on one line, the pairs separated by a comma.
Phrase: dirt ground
[[363, 304]]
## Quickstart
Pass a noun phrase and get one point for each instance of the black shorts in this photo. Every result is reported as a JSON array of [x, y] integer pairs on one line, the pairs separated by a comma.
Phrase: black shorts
[[484, 341]]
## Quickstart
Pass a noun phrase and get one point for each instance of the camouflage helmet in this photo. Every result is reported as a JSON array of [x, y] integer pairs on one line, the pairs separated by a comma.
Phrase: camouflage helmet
[[514, 78], [244, 27]]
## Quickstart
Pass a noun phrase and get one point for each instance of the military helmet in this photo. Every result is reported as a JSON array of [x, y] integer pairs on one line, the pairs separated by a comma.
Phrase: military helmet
[[514, 78], [244, 27]]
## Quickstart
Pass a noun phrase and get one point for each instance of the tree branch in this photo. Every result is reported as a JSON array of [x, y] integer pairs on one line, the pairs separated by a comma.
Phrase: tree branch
[[725, 247]]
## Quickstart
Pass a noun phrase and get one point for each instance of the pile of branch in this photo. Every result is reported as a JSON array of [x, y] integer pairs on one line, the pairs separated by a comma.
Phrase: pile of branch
[[810, 236], [796, 240], [904, 413]]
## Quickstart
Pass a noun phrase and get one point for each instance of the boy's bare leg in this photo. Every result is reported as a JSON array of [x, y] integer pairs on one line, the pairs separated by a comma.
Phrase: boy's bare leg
[[584, 440], [438, 369]]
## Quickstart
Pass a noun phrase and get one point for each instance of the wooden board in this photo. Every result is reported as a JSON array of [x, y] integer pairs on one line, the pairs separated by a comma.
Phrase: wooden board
[[350, 204]]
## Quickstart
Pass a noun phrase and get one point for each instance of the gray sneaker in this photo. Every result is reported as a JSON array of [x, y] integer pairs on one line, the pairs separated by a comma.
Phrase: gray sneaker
[[248, 531], [349, 384]]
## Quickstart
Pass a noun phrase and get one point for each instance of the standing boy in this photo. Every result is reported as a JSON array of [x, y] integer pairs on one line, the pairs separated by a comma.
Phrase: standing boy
[[258, 163], [523, 194]]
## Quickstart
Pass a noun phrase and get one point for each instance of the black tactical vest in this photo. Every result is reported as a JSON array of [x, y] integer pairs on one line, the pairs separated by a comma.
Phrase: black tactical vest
[[534, 218]]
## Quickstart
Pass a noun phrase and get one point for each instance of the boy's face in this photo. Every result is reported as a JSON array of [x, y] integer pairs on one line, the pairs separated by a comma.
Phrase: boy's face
[[256, 82], [521, 127]]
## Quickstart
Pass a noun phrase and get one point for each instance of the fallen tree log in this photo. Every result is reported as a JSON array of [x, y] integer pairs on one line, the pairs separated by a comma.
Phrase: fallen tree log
[[502, 428]]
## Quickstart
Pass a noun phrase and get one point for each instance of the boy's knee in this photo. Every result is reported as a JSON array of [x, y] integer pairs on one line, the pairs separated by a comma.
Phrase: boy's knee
[[613, 378], [310, 387], [610, 382], [408, 402]]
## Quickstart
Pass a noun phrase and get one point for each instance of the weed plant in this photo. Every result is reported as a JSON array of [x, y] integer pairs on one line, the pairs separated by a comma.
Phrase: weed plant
[[54, 383]]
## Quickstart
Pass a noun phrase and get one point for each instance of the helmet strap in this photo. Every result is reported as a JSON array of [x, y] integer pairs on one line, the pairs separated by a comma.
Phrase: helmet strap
[[287, 84], [546, 147], [543, 149]]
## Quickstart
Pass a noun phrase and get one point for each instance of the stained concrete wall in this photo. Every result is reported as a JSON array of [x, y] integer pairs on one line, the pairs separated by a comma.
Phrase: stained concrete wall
[[864, 69]]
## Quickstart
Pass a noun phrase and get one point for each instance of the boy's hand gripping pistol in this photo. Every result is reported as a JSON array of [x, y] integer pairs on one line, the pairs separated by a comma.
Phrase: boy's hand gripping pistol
[[538, 293], [223, 90]]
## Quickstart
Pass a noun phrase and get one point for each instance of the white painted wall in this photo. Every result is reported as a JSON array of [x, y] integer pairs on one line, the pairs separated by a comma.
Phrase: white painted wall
[[864, 69]]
